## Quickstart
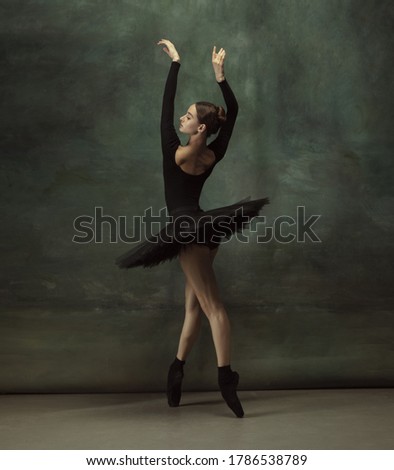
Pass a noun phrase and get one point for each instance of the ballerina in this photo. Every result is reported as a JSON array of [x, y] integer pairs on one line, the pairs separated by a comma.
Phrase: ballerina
[[185, 170]]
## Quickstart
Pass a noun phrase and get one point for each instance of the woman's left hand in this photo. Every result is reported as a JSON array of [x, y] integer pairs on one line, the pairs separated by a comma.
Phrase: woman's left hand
[[218, 63]]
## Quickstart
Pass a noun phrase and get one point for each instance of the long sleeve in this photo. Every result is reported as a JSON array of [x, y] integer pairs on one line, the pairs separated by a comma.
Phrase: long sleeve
[[169, 138], [220, 144]]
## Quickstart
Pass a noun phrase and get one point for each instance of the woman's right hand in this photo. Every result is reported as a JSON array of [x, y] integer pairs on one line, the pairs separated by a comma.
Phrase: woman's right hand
[[170, 50]]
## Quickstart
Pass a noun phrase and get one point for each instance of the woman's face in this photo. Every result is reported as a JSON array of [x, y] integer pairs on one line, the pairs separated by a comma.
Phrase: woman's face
[[188, 122]]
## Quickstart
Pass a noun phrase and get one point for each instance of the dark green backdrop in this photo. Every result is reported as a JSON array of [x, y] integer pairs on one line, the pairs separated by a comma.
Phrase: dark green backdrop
[[81, 88]]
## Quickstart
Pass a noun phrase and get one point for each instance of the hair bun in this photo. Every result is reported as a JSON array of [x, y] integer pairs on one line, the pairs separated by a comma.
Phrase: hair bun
[[221, 113]]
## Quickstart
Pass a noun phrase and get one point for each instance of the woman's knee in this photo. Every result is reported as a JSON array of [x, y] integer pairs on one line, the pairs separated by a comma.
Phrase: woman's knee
[[212, 308]]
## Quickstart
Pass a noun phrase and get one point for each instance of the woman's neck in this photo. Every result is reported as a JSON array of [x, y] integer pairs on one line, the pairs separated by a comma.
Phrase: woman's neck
[[197, 142]]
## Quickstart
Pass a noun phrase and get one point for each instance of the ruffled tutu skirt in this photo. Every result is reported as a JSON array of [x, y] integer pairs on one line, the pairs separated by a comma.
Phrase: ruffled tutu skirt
[[190, 224]]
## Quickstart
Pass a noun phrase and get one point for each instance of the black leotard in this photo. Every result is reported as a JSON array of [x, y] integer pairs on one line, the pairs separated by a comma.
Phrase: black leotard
[[182, 191], [181, 188]]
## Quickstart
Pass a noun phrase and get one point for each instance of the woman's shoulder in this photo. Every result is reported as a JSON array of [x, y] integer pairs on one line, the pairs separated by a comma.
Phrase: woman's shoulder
[[194, 163]]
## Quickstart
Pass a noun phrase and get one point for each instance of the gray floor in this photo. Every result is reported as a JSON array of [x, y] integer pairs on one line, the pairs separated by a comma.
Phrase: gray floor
[[275, 419]]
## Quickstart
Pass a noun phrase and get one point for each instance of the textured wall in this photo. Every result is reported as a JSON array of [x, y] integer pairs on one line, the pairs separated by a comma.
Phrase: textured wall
[[81, 85]]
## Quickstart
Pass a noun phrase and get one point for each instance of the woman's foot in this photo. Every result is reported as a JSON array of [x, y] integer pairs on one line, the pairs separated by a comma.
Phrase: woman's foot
[[174, 382], [228, 383]]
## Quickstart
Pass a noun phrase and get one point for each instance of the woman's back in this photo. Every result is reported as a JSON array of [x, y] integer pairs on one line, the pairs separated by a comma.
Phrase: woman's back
[[194, 162]]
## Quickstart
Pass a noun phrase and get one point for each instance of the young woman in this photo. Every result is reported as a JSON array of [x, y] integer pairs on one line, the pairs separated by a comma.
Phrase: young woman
[[185, 170]]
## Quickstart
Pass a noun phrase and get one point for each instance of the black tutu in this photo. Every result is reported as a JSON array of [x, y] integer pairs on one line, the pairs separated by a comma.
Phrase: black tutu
[[192, 225]]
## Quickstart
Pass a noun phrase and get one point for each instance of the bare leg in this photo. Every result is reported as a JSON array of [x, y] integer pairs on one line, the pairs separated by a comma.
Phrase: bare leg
[[192, 322], [195, 262], [197, 266], [190, 331]]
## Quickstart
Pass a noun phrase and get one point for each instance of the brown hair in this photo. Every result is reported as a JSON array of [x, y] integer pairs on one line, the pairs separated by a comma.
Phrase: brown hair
[[210, 115]]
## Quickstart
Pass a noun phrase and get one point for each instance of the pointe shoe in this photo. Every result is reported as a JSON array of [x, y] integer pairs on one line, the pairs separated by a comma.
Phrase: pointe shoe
[[174, 386], [229, 393]]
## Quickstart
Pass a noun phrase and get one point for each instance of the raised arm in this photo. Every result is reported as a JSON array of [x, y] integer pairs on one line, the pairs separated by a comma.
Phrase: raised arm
[[220, 144], [169, 138]]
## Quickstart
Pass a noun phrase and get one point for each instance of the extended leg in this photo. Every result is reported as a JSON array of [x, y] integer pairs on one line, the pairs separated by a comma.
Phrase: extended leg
[[192, 322], [197, 266], [189, 334], [198, 271]]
